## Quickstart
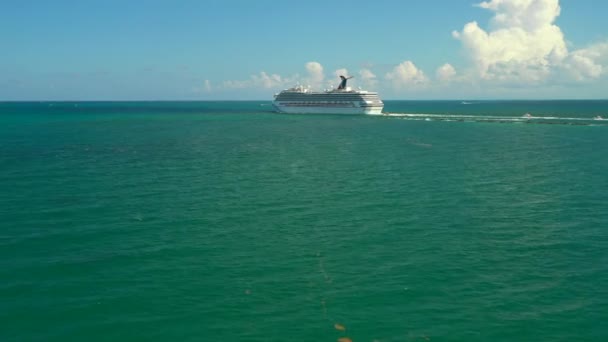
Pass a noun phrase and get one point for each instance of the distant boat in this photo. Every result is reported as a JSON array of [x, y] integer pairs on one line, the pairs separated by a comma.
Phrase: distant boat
[[527, 116]]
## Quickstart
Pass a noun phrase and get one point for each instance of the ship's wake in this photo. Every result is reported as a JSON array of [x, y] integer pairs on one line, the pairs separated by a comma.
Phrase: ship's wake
[[526, 118]]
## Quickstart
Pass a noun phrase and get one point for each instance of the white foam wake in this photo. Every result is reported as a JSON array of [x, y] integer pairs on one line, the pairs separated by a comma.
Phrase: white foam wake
[[505, 119]]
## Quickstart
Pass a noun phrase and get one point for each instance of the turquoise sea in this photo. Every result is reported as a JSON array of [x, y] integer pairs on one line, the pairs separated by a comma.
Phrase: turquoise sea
[[224, 221]]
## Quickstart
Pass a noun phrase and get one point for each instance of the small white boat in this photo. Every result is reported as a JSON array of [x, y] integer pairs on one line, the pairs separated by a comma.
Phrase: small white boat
[[527, 116]]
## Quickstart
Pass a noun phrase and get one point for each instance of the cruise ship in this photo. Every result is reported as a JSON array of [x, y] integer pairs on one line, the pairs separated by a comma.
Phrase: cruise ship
[[342, 100]]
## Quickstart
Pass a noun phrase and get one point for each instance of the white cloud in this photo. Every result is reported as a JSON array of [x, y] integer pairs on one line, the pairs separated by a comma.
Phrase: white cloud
[[525, 46], [341, 72], [336, 79], [588, 63], [267, 81], [237, 84], [315, 74], [337, 74], [368, 79], [406, 75], [445, 72], [531, 15], [261, 80], [521, 46], [315, 78]]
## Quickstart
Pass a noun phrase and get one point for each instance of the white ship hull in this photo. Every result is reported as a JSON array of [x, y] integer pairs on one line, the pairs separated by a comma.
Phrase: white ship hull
[[328, 110]]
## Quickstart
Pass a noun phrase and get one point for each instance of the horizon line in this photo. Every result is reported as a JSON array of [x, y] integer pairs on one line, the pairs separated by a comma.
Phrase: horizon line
[[266, 100]]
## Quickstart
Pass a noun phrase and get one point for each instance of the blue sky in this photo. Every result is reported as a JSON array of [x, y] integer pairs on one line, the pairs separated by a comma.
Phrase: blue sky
[[237, 49]]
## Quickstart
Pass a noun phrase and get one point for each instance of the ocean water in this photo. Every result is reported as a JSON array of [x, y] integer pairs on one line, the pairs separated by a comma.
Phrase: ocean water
[[224, 221]]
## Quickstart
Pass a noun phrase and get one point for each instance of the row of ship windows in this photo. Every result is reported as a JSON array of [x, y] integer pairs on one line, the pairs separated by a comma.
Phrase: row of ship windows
[[327, 95], [317, 104], [327, 99], [322, 101]]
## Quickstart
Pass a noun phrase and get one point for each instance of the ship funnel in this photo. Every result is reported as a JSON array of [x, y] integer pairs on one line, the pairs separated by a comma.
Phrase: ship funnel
[[343, 83]]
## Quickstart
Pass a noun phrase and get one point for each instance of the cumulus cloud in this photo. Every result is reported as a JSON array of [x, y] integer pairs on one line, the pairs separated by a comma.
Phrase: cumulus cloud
[[341, 72], [267, 81], [588, 63], [368, 79], [261, 80], [406, 75], [314, 77], [264, 80], [525, 45], [520, 46], [315, 73], [336, 78], [531, 15], [445, 72]]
